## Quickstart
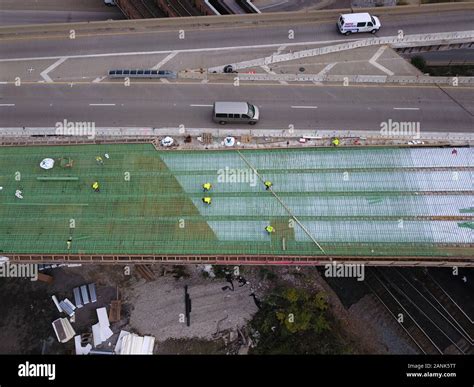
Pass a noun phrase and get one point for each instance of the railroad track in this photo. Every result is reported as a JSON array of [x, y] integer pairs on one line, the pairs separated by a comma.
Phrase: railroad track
[[152, 8], [434, 324], [182, 8]]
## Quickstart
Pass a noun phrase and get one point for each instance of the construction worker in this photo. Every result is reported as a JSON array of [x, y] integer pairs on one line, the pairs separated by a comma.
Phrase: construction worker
[[99, 160], [335, 141], [95, 186], [69, 243], [269, 229], [19, 194], [268, 185], [206, 187], [206, 200]]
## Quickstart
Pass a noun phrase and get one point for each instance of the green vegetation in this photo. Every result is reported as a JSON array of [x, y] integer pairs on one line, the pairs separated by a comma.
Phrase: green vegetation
[[419, 62], [451, 70], [296, 321]]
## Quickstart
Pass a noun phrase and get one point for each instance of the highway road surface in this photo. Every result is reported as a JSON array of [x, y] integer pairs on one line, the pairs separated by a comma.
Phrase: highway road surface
[[304, 106], [227, 37]]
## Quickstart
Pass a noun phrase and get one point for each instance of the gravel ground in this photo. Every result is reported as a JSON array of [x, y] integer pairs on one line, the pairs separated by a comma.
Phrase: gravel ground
[[380, 326], [158, 307]]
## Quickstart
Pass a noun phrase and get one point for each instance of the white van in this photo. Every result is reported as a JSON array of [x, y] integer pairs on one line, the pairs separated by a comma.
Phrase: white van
[[358, 22], [235, 112]]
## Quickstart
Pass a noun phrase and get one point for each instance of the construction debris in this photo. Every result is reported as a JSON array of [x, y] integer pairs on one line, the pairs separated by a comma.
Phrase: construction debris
[[92, 292], [42, 267], [80, 350], [63, 329], [132, 344], [101, 331], [56, 302], [67, 307], [167, 141], [45, 278], [209, 270], [85, 294], [115, 310], [145, 272], [77, 297]]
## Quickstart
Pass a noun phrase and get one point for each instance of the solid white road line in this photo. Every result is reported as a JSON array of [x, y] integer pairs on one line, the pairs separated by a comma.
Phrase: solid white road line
[[373, 61], [190, 50], [44, 74], [168, 58], [193, 105], [326, 69], [99, 79], [402, 108], [304, 107], [273, 5], [7, 104], [101, 104]]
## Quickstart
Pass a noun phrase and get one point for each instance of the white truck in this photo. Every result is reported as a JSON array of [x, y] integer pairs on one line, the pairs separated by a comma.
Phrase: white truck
[[350, 23]]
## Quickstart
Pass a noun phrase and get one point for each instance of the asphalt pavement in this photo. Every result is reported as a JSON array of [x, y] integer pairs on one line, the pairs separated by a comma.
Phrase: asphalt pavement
[[303, 106]]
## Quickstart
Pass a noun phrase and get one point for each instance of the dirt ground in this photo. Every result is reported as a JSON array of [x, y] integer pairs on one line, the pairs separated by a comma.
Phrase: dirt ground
[[158, 307], [218, 318]]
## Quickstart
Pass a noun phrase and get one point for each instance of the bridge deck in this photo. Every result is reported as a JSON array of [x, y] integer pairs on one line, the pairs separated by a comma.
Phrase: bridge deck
[[355, 202]]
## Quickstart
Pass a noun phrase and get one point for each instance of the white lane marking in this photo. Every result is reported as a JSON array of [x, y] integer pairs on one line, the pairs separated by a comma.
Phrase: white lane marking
[[328, 67], [304, 107], [3, 83], [44, 74], [7, 104], [194, 105], [168, 58], [373, 61], [191, 50], [101, 104], [164, 80], [273, 5], [267, 70], [403, 108], [279, 50], [99, 79]]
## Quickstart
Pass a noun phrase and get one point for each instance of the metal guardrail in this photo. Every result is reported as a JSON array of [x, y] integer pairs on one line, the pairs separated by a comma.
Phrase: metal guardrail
[[394, 41], [392, 79], [423, 261], [142, 73]]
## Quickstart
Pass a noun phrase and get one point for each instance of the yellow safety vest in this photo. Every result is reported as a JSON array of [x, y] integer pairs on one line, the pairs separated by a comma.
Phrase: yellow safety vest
[[95, 185]]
